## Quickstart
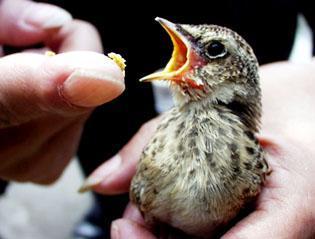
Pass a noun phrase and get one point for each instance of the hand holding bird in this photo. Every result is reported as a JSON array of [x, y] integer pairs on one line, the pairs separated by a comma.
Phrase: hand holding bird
[[284, 208]]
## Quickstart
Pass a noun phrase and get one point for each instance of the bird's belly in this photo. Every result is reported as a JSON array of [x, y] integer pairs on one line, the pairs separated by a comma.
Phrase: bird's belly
[[191, 207]]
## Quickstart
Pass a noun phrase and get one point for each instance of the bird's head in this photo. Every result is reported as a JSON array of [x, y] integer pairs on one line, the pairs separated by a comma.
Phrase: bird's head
[[213, 63]]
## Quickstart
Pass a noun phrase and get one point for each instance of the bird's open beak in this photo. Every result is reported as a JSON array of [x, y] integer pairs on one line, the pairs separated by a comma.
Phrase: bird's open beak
[[179, 63]]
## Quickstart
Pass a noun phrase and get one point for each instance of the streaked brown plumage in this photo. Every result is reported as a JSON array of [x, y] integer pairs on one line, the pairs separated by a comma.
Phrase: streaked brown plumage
[[204, 162]]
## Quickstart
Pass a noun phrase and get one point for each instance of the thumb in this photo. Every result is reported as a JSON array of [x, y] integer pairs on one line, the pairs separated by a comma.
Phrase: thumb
[[33, 85], [114, 175], [23, 22]]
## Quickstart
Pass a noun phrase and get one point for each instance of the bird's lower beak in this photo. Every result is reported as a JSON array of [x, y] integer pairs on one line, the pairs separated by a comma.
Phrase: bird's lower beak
[[179, 62]]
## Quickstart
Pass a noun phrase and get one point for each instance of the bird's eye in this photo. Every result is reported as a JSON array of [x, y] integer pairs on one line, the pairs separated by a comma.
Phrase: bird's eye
[[216, 49]]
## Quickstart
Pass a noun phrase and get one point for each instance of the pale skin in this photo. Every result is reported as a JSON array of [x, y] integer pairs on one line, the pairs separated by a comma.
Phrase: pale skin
[[284, 209], [45, 100]]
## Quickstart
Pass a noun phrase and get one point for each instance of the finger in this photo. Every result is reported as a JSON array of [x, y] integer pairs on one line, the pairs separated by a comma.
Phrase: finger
[[24, 22], [76, 35], [276, 214], [33, 85], [114, 176], [132, 213], [124, 228]]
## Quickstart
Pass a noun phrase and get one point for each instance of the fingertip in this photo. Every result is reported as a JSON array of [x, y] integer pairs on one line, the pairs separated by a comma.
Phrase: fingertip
[[124, 228], [105, 177], [87, 79], [90, 88], [116, 181], [115, 230], [87, 60]]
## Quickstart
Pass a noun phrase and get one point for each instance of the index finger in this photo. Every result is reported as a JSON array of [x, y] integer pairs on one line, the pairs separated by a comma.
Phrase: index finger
[[24, 22], [77, 35]]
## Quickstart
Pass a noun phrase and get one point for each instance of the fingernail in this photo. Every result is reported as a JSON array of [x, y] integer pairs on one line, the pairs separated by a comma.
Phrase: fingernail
[[101, 174], [115, 234], [89, 183], [45, 16], [90, 88]]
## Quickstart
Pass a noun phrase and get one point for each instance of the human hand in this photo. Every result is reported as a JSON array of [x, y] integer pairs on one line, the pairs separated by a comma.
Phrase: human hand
[[45, 100], [284, 209]]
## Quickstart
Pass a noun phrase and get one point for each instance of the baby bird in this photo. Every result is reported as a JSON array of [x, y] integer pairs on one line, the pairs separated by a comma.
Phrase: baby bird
[[204, 162]]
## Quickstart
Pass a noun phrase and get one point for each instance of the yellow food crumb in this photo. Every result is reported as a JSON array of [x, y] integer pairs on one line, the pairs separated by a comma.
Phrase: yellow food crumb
[[50, 53], [118, 59]]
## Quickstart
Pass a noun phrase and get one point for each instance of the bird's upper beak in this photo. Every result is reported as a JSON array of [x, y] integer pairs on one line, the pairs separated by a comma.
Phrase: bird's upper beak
[[180, 61]]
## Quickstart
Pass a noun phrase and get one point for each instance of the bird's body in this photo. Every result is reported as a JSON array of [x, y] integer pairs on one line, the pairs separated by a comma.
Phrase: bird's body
[[204, 162], [199, 169]]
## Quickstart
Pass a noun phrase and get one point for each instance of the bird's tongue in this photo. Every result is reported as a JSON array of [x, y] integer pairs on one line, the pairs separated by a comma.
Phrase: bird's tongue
[[179, 62]]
